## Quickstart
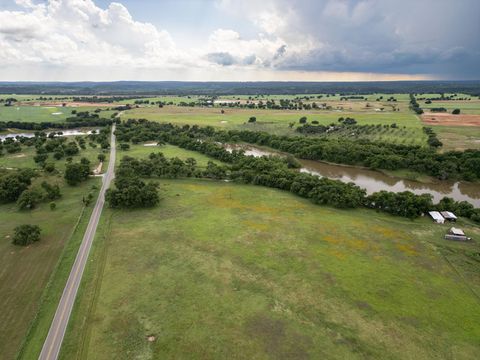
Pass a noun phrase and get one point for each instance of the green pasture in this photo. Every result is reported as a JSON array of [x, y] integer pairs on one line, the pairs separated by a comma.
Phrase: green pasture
[[223, 270], [141, 151], [26, 271], [40, 114]]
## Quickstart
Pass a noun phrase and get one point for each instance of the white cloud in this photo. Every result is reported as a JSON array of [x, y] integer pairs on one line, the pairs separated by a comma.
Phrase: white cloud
[[62, 36]]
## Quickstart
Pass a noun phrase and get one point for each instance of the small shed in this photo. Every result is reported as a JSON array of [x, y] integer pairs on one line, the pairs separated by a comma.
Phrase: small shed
[[449, 216], [437, 217], [456, 234]]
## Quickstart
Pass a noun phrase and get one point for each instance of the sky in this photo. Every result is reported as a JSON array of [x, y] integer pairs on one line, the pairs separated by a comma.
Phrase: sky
[[233, 40]]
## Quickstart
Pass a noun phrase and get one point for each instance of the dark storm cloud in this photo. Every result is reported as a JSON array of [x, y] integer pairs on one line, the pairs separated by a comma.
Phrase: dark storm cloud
[[410, 36]]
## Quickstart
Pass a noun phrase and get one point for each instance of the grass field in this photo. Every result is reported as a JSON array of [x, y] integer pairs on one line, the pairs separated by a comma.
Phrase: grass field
[[277, 121], [466, 107], [26, 270], [24, 158], [142, 152], [220, 270], [40, 114], [458, 137]]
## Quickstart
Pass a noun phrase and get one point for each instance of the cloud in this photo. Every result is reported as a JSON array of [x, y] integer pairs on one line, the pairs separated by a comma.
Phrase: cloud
[[221, 58], [369, 36], [427, 36]]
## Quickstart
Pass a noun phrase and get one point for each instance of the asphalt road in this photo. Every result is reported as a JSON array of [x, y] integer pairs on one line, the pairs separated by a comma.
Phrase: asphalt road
[[53, 342]]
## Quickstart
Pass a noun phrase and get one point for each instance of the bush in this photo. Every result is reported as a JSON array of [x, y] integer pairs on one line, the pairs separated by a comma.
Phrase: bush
[[252, 119], [26, 235], [456, 111], [29, 199]]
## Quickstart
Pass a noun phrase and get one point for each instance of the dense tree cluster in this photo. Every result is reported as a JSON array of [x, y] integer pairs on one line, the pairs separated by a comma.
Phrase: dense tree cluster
[[447, 165], [275, 172], [414, 105], [432, 137], [13, 184], [131, 191], [75, 173]]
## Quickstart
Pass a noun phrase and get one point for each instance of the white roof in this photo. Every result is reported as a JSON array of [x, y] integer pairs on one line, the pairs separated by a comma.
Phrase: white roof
[[456, 231], [435, 215], [449, 214]]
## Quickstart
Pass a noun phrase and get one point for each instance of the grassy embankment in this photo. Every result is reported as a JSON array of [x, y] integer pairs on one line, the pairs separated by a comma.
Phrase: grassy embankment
[[225, 270]]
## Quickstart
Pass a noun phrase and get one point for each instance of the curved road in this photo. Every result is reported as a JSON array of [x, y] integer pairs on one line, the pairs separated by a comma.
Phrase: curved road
[[53, 342]]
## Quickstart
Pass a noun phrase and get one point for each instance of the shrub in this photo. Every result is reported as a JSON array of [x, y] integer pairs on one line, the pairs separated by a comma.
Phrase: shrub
[[26, 234]]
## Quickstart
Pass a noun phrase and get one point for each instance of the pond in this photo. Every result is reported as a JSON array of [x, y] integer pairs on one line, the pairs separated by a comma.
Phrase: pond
[[373, 181]]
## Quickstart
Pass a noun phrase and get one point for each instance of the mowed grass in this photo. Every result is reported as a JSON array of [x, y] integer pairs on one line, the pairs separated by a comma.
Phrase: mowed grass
[[140, 151], [222, 270], [25, 271]]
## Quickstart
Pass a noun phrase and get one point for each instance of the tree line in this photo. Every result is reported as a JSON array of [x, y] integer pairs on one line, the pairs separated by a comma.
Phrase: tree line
[[275, 172]]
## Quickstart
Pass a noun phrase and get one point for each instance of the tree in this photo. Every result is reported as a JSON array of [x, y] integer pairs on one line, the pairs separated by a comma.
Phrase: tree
[[29, 199], [101, 157], [52, 191], [303, 120], [456, 111], [53, 206], [26, 234], [252, 119], [76, 173], [124, 146]]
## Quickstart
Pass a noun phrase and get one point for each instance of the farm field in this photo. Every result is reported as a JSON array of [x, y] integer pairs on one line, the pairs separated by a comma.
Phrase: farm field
[[465, 106], [243, 276], [26, 270], [458, 137], [32, 297], [277, 121]]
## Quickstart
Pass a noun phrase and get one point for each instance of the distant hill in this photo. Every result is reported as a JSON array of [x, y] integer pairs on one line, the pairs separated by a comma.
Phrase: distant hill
[[236, 88]]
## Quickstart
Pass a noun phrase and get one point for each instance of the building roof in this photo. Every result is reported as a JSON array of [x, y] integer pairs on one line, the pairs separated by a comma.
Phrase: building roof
[[448, 215], [456, 231], [436, 215]]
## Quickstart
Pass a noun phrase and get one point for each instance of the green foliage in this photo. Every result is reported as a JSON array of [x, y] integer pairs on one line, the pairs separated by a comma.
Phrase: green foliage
[[26, 234], [75, 173], [29, 199], [13, 184], [456, 111], [130, 191]]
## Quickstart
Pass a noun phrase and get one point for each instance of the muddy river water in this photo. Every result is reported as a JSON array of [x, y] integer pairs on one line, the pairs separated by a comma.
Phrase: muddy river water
[[373, 181]]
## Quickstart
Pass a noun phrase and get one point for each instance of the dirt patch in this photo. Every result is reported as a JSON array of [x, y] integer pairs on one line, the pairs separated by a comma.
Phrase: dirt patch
[[18, 156], [150, 338], [450, 119], [98, 169]]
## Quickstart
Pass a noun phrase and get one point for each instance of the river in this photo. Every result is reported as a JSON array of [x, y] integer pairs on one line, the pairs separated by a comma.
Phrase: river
[[66, 132], [373, 181]]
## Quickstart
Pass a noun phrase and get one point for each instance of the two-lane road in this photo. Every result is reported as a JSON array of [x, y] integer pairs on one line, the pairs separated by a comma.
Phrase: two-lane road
[[53, 342]]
